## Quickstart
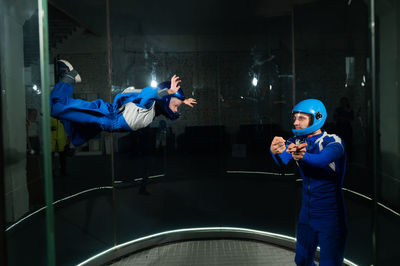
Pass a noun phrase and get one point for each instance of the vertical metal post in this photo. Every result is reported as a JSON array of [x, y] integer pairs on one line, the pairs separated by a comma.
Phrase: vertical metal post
[[374, 130], [293, 63], [293, 104], [45, 81], [3, 243], [109, 72]]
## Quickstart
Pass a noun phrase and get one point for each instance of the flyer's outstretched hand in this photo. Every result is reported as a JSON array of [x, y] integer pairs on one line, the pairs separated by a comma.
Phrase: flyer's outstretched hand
[[190, 102], [174, 84]]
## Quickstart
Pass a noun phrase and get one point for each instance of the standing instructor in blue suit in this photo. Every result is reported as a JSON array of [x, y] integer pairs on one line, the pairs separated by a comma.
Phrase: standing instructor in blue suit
[[131, 110], [322, 162]]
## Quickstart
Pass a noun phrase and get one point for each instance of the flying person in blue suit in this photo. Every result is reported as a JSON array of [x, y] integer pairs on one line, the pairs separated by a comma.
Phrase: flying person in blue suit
[[321, 160], [131, 110]]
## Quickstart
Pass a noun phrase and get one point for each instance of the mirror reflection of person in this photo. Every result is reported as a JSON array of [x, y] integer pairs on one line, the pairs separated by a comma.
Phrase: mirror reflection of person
[[344, 116], [32, 131], [161, 136], [33, 170], [131, 110], [59, 142], [321, 160]]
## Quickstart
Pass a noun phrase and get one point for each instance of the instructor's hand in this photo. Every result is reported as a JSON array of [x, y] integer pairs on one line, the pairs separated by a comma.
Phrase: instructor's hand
[[278, 145], [297, 151]]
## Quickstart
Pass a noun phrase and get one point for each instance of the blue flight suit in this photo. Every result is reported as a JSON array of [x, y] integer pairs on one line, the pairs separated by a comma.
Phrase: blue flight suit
[[84, 120], [322, 220]]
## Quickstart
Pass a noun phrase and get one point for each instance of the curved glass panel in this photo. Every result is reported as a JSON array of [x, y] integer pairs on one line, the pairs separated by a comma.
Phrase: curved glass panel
[[21, 125], [387, 28], [333, 65], [82, 171], [211, 166]]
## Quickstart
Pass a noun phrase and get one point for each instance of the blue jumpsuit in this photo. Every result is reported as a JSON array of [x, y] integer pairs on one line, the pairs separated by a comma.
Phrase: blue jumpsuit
[[84, 120], [322, 220]]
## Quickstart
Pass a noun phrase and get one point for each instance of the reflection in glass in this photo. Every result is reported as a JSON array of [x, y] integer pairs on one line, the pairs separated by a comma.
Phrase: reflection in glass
[[21, 125], [236, 62], [388, 132]]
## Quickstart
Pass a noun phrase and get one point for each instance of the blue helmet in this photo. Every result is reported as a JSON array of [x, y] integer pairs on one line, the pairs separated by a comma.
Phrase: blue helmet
[[317, 111], [164, 101]]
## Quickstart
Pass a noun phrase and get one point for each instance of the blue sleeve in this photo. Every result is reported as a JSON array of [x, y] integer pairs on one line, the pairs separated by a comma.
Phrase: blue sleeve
[[149, 94], [281, 159], [143, 99], [124, 98], [330, 153]]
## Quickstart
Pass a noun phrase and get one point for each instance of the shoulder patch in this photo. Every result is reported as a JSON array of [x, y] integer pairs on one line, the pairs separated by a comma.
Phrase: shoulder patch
[[332, 139], [327, 139]]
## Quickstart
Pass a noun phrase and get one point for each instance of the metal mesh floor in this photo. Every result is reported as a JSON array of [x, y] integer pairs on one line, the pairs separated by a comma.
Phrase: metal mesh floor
[[211, 252]]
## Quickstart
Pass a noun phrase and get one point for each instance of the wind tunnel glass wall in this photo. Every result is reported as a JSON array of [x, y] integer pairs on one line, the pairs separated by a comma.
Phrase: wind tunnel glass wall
[[246, 65], [388, 131], [21, 90], [333, 64], [81, 174], [210, 167], [82, 190]]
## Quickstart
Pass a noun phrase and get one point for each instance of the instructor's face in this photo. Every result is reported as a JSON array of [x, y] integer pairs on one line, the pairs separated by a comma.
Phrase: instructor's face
[[174, 104], [301, 121]]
